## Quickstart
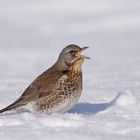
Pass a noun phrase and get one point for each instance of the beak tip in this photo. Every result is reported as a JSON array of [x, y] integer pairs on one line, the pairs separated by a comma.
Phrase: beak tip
[[87, 57], [84, 48]]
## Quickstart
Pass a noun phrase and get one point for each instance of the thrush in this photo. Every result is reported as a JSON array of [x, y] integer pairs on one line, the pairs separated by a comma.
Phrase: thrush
[[58, 89]]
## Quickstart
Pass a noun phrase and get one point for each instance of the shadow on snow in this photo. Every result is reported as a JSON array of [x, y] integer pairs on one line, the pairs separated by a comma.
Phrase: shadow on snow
[[88, 108]]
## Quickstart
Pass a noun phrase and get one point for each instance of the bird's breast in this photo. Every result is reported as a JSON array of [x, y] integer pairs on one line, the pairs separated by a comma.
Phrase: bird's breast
[[63, 96]]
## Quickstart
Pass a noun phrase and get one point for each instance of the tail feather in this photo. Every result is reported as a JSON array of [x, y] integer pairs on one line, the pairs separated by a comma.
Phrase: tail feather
[[12, 106], [5, 109]]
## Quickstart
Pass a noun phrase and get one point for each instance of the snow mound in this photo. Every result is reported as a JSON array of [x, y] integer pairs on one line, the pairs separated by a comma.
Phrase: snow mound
[[125, 98]]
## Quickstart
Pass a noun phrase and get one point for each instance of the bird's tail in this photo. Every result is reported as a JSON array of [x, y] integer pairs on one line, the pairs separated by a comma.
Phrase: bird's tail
[[12, 106], [5, 109]]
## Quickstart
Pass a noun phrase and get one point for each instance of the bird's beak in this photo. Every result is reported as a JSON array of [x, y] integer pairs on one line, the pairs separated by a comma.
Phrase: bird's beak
[[83, 56]]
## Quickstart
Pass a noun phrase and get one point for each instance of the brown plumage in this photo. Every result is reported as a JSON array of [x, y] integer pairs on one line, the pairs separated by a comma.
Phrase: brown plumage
[[58, 88]]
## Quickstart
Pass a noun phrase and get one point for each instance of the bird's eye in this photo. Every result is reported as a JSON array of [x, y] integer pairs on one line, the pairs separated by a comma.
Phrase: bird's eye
[[72, 52]]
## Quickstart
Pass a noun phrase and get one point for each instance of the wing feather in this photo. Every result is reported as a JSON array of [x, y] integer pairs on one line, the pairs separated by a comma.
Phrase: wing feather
[[39, 88]]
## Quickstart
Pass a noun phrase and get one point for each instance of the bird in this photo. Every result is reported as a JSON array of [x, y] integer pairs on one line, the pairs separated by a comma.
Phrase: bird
[[59, 88]]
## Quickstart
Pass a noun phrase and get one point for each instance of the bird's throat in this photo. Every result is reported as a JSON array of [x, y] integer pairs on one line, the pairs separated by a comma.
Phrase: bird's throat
[[75, 69]]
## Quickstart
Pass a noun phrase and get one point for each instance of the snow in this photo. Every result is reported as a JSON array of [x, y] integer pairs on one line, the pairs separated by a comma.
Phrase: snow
[[33, 32], [125, 99]]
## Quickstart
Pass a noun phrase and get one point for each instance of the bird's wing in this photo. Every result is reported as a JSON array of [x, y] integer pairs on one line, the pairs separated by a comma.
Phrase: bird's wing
[[41, 86]]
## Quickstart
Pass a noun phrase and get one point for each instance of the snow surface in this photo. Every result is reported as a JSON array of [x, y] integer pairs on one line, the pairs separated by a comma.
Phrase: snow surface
[[33, 32]]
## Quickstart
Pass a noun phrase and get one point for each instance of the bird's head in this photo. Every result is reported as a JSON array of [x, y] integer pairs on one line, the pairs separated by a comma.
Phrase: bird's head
[[71, 56]]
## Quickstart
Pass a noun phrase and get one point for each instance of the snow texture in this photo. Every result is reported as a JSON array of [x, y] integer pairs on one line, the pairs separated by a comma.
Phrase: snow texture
[[32, 34]]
